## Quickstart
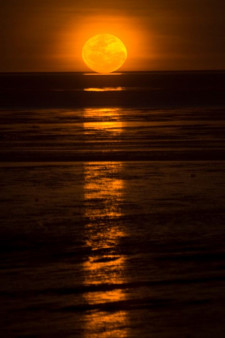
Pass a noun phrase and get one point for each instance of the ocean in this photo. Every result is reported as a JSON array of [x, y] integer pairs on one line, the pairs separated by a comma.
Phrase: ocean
[[112, 204]]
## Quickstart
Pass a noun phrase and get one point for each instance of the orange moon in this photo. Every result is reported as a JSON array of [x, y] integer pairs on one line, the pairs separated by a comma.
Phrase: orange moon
[[104, 53]]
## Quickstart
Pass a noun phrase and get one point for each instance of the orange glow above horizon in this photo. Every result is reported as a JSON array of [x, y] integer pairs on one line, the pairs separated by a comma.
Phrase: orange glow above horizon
[[75, 35]]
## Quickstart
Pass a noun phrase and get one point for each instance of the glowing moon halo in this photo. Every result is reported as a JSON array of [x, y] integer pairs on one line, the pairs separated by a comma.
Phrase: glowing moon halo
[[104, 53]]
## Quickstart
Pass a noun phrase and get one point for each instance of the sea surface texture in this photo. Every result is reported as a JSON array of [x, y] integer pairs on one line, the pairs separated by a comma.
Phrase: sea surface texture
[[112, 205]]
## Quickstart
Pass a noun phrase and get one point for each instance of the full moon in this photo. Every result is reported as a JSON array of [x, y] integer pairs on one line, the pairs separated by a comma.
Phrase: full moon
[[104, 53]]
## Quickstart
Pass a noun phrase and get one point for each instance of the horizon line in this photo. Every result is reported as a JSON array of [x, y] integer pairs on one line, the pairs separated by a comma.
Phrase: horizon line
[[113, 73]]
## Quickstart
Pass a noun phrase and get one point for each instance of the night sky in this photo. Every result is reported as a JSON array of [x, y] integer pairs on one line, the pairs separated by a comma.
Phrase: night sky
[[47, 35]]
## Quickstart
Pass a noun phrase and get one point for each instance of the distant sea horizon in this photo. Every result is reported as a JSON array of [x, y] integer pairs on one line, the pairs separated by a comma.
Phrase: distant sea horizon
[[138, 89]]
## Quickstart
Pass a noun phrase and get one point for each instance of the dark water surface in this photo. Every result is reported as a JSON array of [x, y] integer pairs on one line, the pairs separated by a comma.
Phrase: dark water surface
[[112, 213]]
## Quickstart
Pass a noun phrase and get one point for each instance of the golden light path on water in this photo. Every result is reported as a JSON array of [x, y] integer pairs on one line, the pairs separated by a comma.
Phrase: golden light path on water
[[105, 266], [104, 89], [103, 121]]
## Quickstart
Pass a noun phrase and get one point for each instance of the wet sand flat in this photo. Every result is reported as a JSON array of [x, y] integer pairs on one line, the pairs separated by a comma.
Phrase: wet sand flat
[[112, 195], [112, 248]]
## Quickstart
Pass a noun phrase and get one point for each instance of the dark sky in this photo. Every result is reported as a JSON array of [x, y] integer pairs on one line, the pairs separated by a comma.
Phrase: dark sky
[[47, 35]]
